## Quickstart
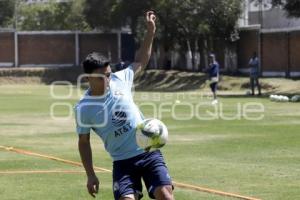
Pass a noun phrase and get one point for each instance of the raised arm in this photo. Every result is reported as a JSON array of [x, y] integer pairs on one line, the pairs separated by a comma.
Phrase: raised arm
[[143, 54], [87, 161]]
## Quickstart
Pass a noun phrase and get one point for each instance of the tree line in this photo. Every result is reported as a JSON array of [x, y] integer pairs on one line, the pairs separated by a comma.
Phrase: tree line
[[184, 25]]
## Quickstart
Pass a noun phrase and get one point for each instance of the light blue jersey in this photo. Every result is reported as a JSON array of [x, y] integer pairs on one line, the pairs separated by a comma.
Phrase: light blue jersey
[[114, 116]]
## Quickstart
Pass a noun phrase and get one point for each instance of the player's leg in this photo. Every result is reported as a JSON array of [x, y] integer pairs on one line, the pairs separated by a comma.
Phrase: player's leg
[[258, 86], [156, 176], [213, 87], [164, 193], [128, 190], [127, 183], [252, 85]]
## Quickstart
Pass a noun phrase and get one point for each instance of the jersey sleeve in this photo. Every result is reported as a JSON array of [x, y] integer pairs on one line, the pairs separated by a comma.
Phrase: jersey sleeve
[[82, 124], [126, 75]]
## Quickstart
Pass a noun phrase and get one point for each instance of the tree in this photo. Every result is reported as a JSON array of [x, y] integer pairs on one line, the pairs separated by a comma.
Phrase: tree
[[291, 6], [181, 22], [190, 22], [7, 9], [52, 16], [109, 14], [222, 16], [98, 13], [106, 14], [178, 18]]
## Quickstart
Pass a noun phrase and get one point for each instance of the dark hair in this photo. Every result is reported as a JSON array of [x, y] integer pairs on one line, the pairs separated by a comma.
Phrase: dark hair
[[94, 61]]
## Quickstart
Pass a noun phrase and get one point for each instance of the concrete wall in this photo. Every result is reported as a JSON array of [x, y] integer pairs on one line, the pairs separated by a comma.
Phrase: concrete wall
[[49, 48], [46, 49], [247, 44], [274, 52], [279, 51], [7, 54], [294, 43]]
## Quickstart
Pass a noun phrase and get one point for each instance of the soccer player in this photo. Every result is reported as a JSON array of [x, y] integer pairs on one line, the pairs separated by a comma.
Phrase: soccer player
[[108, 109], [254, 73], [213, 71]]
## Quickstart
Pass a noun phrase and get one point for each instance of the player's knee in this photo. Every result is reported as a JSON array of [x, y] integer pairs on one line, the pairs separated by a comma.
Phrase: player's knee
[[164, 193]]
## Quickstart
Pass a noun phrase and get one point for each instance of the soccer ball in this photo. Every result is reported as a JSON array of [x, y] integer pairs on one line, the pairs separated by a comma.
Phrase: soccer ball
[[295, 98], [151, 134], [279, 98]]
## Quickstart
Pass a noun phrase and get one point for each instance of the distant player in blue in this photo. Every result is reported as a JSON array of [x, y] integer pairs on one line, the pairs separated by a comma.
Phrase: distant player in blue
[[108, 109], [254, 73], [213, 71]]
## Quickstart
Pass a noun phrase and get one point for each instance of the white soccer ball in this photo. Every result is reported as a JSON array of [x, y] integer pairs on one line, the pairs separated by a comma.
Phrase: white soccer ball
[[285, 99], [272, 97], [248, 92], [177, 101], [279, 98], [295, 98], [151, 134]]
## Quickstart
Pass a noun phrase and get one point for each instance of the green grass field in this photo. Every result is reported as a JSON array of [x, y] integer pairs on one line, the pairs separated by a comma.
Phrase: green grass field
[[252, 158]]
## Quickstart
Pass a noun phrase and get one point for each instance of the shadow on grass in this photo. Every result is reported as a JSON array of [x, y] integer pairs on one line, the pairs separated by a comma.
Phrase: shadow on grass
[[169, 81]]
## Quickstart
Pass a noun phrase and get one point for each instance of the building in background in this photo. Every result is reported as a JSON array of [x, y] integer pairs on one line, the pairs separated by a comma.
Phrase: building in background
[[261, 12], [275, 36]]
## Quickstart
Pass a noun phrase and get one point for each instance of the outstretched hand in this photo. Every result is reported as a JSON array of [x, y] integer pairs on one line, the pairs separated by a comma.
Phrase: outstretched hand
[[150, 18], [93, 185]]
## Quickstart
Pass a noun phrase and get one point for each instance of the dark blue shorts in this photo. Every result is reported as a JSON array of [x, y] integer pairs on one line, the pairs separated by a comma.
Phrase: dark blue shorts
[[128, 174], [214, 86]]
